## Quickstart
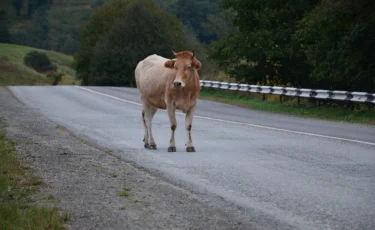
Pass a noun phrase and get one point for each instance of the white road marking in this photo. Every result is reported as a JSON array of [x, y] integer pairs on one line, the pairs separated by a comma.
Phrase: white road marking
[[107, 95], [241, 123]]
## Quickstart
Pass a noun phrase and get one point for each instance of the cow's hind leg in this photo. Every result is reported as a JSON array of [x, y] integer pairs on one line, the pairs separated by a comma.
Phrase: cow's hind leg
[[149, 113], [172, 118], [188, 125], [145, 138]]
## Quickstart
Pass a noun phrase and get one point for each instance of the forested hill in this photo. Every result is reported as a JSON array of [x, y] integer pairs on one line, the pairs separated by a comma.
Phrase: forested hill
[[326, 44], [201, 16], [46, 24], [53, 24]]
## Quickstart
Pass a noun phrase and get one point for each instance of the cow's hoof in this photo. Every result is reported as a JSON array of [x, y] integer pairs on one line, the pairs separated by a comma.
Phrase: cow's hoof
[[190, 149], [152, 146], [146, 146], [171, 149]]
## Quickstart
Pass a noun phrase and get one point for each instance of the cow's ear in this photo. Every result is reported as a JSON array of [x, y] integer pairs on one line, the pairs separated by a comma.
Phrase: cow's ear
[[197, 64], [169, 64]]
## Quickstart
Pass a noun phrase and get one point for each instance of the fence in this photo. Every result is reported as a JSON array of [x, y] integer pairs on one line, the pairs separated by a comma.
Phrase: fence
[[293, 92]]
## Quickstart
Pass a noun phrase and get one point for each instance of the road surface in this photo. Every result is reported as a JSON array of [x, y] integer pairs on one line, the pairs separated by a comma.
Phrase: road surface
[[299, 173]]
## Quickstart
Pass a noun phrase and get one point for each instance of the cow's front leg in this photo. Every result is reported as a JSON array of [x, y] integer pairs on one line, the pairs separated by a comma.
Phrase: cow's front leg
[[172, 118], [188, 125]]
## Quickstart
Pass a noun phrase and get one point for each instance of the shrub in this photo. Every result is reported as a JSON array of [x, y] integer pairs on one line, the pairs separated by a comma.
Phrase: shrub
[[57, 76], [39, 61]]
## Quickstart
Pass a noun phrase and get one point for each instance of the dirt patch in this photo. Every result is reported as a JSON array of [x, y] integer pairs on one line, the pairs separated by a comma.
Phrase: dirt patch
[[100, 191]]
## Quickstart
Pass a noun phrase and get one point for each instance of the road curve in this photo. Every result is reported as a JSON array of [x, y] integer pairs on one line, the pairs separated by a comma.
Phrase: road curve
[[286, 172]]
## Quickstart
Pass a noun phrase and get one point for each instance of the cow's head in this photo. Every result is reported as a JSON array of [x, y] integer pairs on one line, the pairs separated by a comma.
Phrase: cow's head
[[186, 66]]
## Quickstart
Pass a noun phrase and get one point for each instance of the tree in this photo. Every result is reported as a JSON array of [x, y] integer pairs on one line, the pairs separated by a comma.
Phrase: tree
[[193, 14], [220, 24], [18, 5], [97, 3], [261, 49], [38, 30], [119, 35], [98, 26], [35, 4], [338, 38], [4, 29], [68, 45]]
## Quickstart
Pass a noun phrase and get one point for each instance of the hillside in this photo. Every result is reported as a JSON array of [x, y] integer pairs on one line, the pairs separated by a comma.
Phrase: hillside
[[64, 18], [50, 25], [13, 71], [54, 25]]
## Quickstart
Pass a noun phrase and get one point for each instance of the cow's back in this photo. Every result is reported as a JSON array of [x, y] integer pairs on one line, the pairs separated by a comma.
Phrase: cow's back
[[152, 69], [151, 78]]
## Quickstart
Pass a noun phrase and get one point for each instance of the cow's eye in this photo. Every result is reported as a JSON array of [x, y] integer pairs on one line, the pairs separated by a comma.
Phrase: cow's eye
[[188, 67]]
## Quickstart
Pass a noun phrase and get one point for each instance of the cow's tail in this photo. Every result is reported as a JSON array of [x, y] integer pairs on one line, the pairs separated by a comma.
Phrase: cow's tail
[[137, 73]]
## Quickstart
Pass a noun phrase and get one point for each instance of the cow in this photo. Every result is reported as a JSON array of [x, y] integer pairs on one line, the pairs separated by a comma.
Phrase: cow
[[168, 84]]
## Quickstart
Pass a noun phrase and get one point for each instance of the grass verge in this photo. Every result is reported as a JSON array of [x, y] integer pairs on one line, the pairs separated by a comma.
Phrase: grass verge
[[13, 71], [291, 108], [17, 187]]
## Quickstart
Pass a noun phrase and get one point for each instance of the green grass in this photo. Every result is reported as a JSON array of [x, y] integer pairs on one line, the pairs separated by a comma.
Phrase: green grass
[[124, 192], [13, 71], [113, 174], [17, 185], [291, 108]]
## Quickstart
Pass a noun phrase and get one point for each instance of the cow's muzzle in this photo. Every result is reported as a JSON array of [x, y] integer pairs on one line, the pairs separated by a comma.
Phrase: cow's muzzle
[[177, 84]]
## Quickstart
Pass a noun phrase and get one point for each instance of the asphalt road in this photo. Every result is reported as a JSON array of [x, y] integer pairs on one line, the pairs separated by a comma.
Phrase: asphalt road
[[285, 171]]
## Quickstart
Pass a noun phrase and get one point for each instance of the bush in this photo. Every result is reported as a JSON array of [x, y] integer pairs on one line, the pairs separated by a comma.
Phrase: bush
[[39, 61], [56, 76]]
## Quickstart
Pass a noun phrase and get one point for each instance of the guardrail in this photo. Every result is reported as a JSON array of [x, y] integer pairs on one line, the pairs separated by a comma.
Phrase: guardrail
[[293, 92]]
